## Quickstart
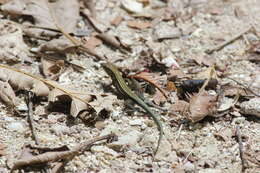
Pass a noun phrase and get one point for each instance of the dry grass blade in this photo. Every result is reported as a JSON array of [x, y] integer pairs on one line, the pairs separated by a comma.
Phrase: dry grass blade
[[44, 81]]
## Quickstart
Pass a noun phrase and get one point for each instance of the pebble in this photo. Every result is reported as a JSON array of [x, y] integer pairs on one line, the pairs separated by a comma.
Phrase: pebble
[[60, 129], [136, 122], [132, 6], [189, 167], [251, 107], [111, 128], [129, 139], [16, 126]]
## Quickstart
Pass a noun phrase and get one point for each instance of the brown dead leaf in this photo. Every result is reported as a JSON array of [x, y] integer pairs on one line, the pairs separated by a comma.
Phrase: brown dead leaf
[[174, 73], [139, 24], [76, 106], [103, 102], [170, 86], [52, 69], [7, 94], [116, 21], [13, 48], [159, 98], [19, 81], [205, 60], [210, 72], [65, 11], [154, 79], [179, 106], [93, 42], [201, 105], [57, 45], [2, 149]]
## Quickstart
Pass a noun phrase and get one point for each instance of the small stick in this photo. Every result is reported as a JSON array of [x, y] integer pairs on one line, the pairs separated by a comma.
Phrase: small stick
[[220, 46], [28, 98], [58, 155], [246, 87], [241, 153]]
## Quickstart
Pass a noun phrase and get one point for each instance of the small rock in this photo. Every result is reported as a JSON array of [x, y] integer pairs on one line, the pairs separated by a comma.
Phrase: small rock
[[22, 107], [60, 129], [104, 149], [8, 119], [238, 120], [251, 107], [115, 115], [100, 125], [189, 167], [165, 152], [136, 122], [132, 6], [165, 31], [111, 128], [128, 139], [170, 61], [16, 126], [210, 170]]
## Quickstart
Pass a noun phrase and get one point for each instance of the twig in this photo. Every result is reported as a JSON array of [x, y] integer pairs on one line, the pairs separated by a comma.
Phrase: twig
[[241, 153], [220, 46], [246, 87], [55, 156], [28, 98]]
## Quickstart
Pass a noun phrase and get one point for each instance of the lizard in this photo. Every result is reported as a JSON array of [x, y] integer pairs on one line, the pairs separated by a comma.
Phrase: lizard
[[123, 88]]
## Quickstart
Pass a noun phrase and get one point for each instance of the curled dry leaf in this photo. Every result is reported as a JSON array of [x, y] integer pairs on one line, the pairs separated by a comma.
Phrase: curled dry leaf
[[20, 81], [153, 79], [52, 69], [201, 105], [12, 46], [7, 94], [66, 12], [76, 106], [103, 102], [61, 44]]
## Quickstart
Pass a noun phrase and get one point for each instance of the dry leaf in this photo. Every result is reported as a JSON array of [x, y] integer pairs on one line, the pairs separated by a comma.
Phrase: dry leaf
[[93, 42], [2, 149], [139, 24], [159, 98], [7, 94], [201, 105], [66, 12], [170, 86], [19, 81], [52, 69], [179, 106], [208, 73], [174, 73], [76, 106], [116, 21], [153, 79], [104, 102], [13, 48], [57, 45]]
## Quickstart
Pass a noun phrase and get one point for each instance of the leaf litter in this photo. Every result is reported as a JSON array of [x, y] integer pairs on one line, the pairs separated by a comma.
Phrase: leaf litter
[[180, 55]]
